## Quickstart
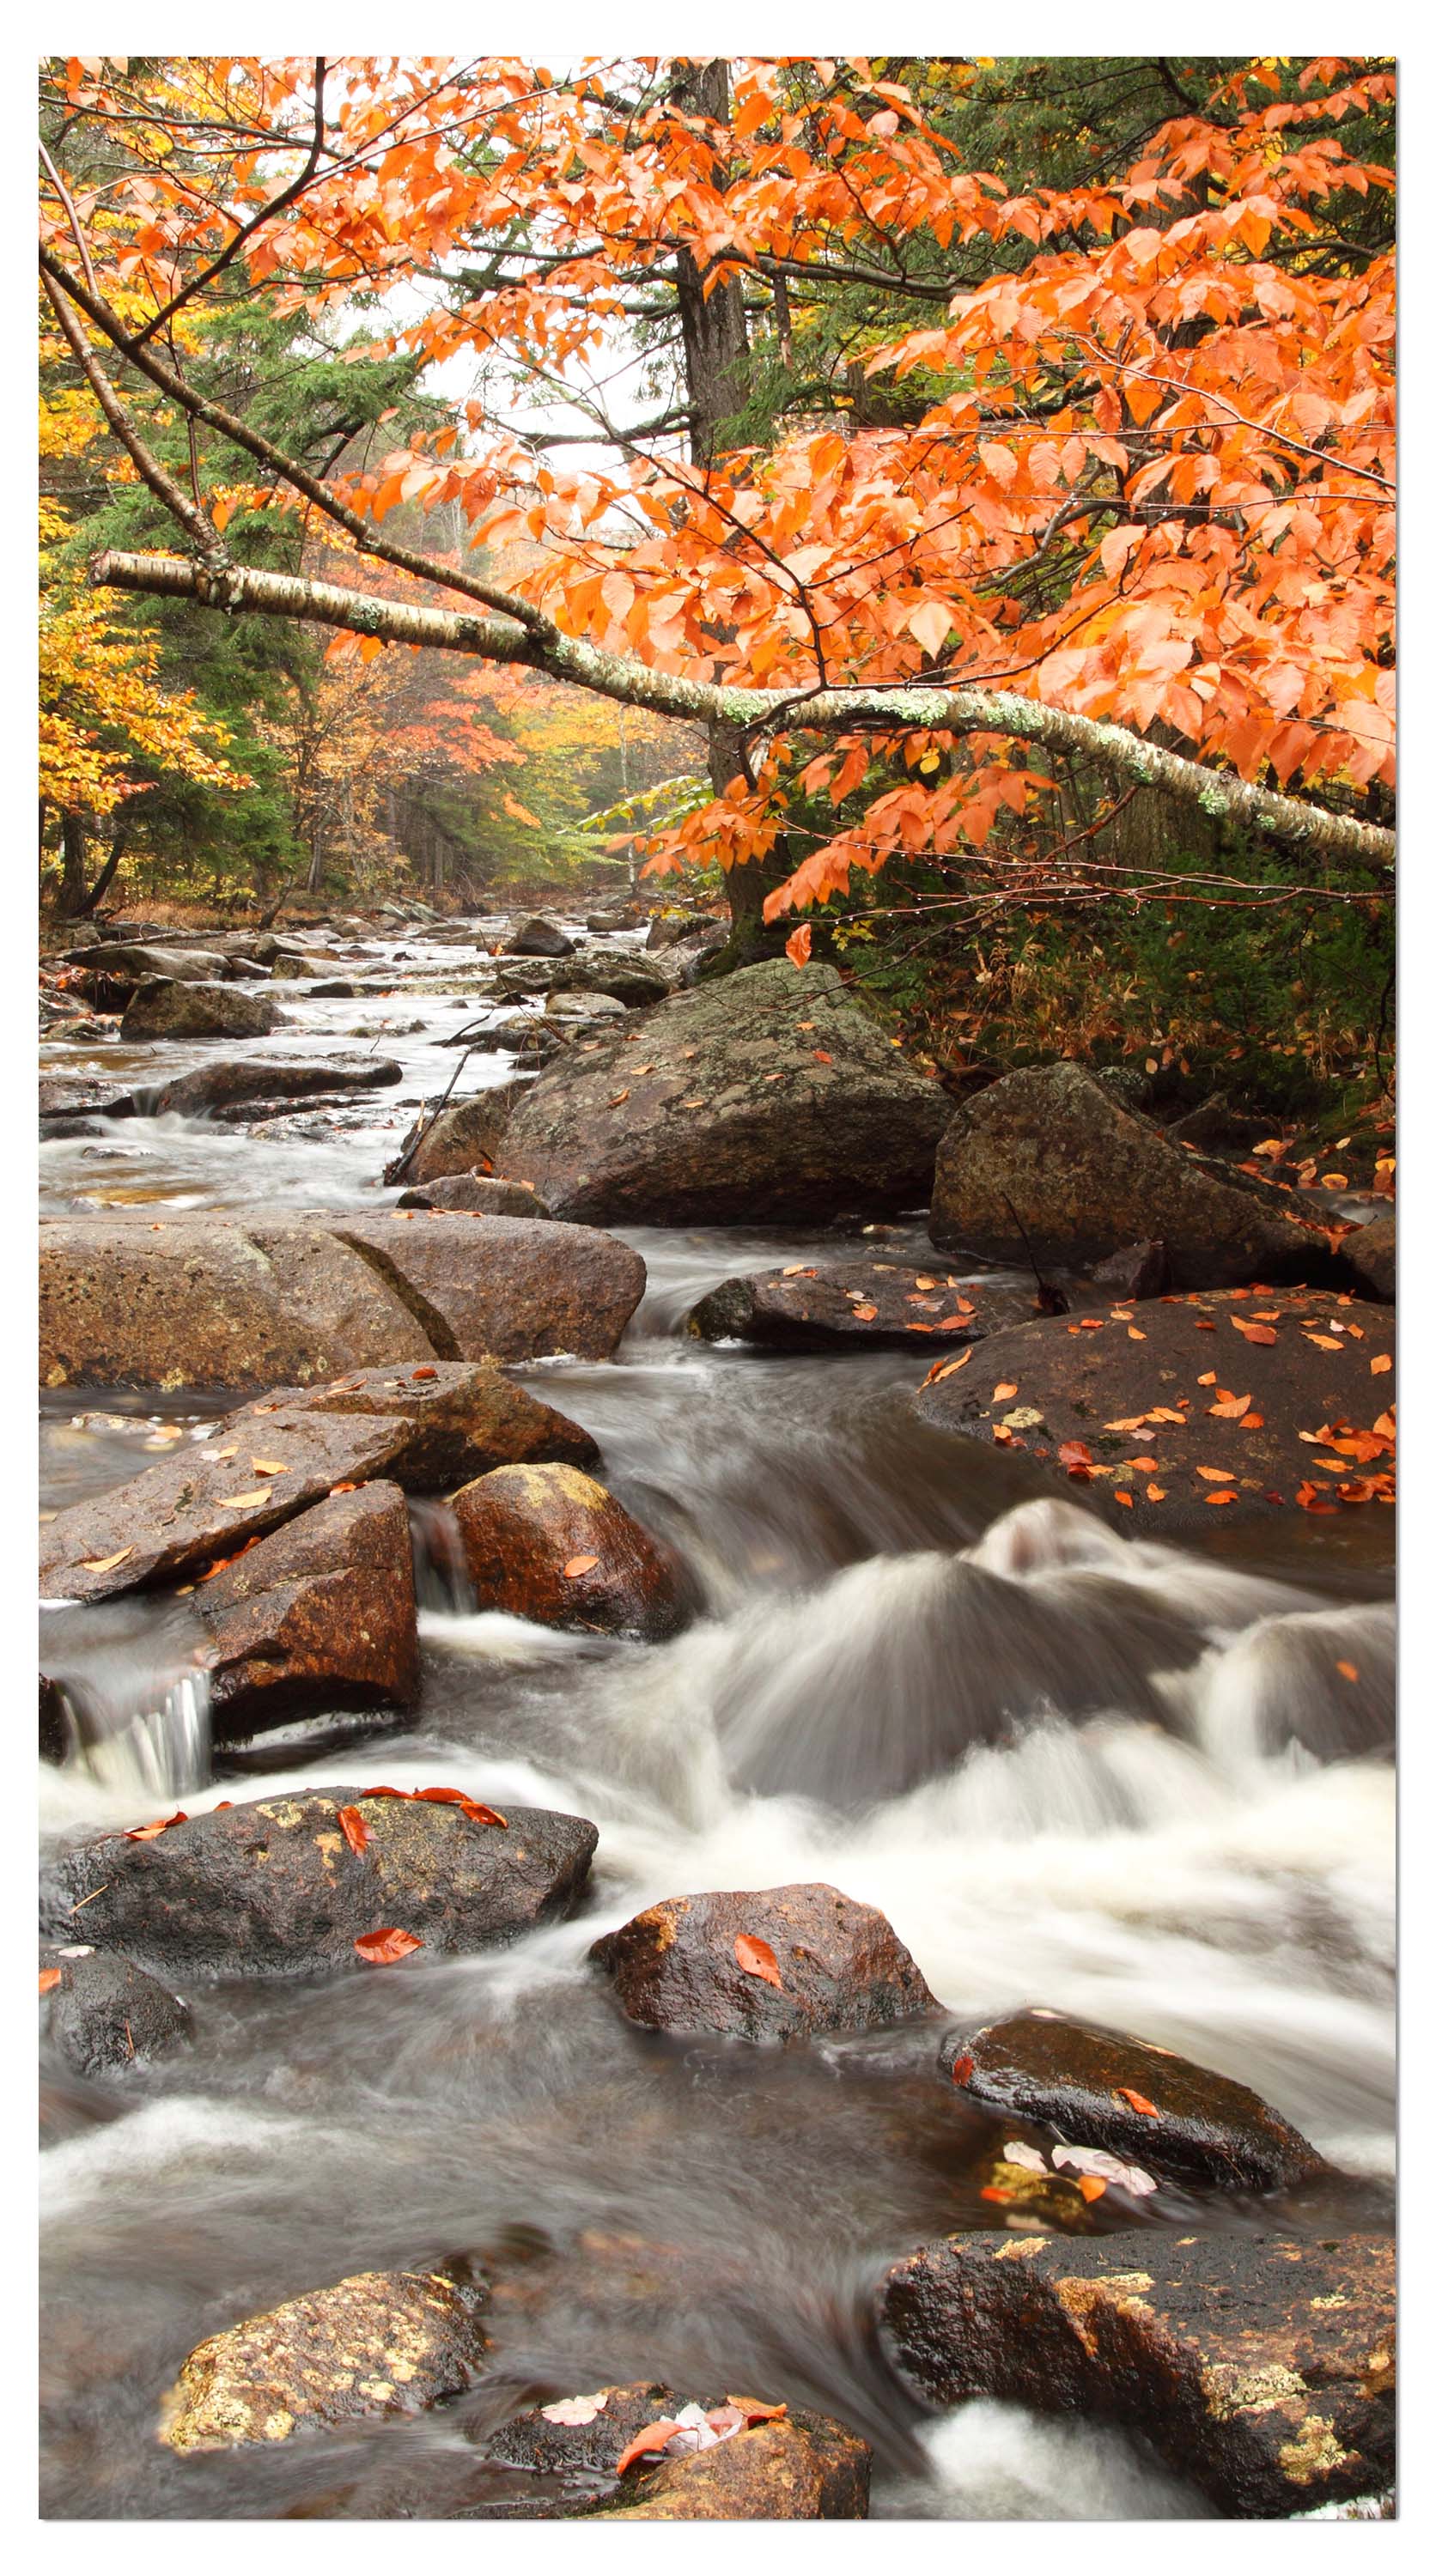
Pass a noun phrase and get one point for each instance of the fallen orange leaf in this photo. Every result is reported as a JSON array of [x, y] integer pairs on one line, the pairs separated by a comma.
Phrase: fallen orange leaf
[[579, 1565], [757, 1959], [1139, 2102], [379, 1949]]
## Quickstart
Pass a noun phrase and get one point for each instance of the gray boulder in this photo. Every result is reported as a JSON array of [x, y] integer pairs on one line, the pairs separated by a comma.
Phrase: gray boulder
[[162, 1007]]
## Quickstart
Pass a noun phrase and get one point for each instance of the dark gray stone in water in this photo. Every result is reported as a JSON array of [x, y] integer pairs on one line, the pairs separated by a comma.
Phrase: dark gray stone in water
[[273, 1888], [233, 1081], [105, 2015]]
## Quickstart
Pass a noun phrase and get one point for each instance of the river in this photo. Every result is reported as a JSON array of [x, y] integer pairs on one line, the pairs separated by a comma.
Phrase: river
[[1073, 1769]]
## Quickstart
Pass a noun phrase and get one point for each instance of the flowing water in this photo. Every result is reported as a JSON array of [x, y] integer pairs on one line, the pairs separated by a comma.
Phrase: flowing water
[[1073, 1769]]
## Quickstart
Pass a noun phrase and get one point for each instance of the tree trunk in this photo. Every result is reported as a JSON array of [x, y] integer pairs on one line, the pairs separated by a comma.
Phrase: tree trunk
[[72, 866], [105, 879], [750, 937], [715, 335]]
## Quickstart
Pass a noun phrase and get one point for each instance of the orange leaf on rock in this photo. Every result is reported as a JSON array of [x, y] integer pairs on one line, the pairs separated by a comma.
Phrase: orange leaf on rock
[[380, 1949], [1233, 1409], [1251, 1332], [1091, 2186], [756, 2411], [865, 1314], [1076, 1458], [961, 2069], [147, 1833], [579, 1565], [757, 1959], [1001, 1393], [654, 2437], [49, 1978], [1381, 1364], [1139, 2102]]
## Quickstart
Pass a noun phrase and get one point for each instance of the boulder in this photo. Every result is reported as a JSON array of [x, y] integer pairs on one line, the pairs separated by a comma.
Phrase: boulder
[[667, 929], [102, 2013], [1371, 1253], [625, 916], [164, 1008], [538, 936], [236, 1080], [321, 1614], [1261, 2367], [1090, 2084], [476, 1194], [380, 2343], [462, 1138], [802, 2467], [819, 1305], [768, 1093], [1086, 1176], [129, 962], [514, 1288], [210, 1499], [575, 1011], [778, 1963], [632, 981], [547, 1543], [1153, 1411], [224, 1302], [275, 1888], [62, 1095]]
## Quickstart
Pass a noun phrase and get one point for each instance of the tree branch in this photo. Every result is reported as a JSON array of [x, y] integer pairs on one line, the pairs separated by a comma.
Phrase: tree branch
[[633, 683]]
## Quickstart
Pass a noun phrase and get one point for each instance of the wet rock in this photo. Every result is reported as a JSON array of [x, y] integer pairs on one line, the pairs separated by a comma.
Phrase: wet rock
[[819, 1304], [525, 978], [104, 2015], [591, 2449], [547, 1543], [209, 1499], [1324, 1679], [237, 1081], [1087, 1176], [632, 981], [222, 1302], [539, 936], [1371, 1253], [478, 1195], [1201, 2128], [1072, 1381], [1216, 1122], [1142, 1270], [668, 929], [1261, 2367], [769, 1093], [61, 1095], [801, 2468], [462, 1138], [577, 1011], [129, 962], [161, 1008], [380, 2343], [337, 988], [273, 1888], [56, 1731], [822, 1962], [626, 916], [321, 1614], [514, 1288]]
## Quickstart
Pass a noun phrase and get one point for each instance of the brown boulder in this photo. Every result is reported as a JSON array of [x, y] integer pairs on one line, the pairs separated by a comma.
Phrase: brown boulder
[[275, 1888], [209, 1498], [816, 1961], [1124, 1390], [252, 1303], [817, 1305], [476, 1194], [768, 1093], [164, 1008], [1086, 1176], [539, 936], [462, 1138], [548, 1543], [800, 2468], [1088, 2085], [380, 2343], [321, 1614], [1261, 2367]]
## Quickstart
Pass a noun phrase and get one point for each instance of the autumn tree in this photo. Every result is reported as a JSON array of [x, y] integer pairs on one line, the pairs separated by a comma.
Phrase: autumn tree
[[1131, 501]]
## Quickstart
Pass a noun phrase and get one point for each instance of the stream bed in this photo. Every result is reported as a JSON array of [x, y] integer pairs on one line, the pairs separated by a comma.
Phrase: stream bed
[[1057, 1759]]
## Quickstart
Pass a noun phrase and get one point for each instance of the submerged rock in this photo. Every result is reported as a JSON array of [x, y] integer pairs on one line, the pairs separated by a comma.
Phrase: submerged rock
[[477, 1195], [319, 1615], [380, 2343], [802, 2467], [548, 1543], [771, 1963], [164, 1008], [1187, 1405], [238, 1080], [102, 2013], [275, 1888], [1102, 2088], [1261, 2367], [818, 1304], [769, 1093], [228, 1302], [1087, 1176]]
